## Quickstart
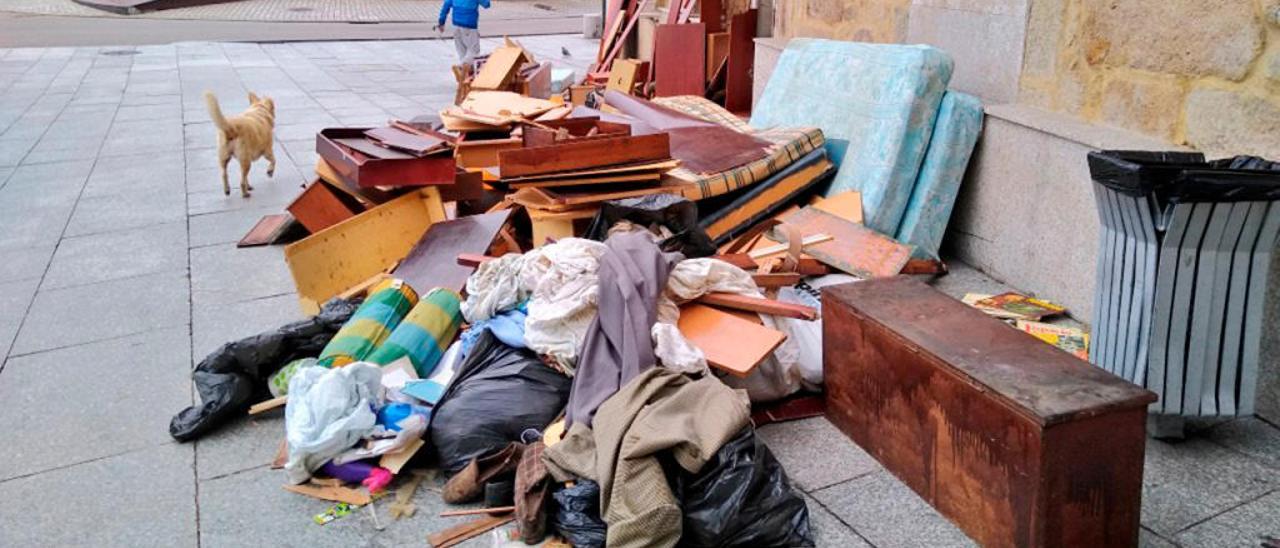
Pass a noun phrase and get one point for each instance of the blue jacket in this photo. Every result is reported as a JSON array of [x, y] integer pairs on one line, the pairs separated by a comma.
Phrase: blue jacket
[[466, 13]]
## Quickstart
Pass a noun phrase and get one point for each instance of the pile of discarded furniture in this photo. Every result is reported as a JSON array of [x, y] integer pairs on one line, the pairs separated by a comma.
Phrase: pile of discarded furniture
[[573, 304]]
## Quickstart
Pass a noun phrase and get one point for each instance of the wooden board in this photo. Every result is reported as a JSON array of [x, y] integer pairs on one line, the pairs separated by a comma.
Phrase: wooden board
[[266, 230], [371, 149], [584, 155], [427, 265], [730, 344], [459, 533], [762, 306], [652, 177], [339, 257], [711, 13], [855, 249], [846, 205], [661, 166], [717, 52], [319, 206], [762, 198], [482, 153], [679, 58], [741, 59], [500, 68], [1015, 441], [413, 143]]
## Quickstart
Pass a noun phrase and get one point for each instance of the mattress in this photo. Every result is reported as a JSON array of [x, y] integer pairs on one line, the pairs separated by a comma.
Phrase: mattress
[[954, 135]]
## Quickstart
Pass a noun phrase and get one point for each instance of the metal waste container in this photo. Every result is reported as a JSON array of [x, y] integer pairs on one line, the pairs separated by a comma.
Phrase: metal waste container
[[1183, 267]]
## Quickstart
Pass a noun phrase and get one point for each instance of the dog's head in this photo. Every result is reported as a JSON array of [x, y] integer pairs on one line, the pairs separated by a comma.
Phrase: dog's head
[[262, 102]]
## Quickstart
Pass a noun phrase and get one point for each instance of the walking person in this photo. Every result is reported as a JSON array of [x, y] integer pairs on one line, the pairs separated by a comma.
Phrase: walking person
[[466, 20]]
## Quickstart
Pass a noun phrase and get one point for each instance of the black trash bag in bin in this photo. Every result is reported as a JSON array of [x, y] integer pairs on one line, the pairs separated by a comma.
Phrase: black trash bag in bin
[[576, 515], [235, 375], [677, 214], [741, 498], [1173, 177], [497, 393]]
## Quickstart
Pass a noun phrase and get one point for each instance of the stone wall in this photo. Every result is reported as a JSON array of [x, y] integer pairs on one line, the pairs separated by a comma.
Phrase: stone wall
[[883, 21], [1204, 73]]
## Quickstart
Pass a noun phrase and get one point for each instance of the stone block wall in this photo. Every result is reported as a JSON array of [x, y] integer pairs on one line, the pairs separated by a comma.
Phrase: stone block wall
[[883, 21], [1204, 73]]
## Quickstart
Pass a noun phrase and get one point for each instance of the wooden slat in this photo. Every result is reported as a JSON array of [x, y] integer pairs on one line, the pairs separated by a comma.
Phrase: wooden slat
[[717, 51], [742, 51], [680, 60], [762, 306], [584, 155]]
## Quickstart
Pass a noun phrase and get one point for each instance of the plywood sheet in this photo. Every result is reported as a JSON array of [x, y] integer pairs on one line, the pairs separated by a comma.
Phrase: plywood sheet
[[584, 155], [742, 52], [339, 257], [730, 343], [499, 69], [430, 262], [680, 60]]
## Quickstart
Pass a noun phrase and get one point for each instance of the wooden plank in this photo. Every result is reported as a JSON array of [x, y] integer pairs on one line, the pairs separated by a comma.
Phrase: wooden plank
[[480, 153], [762, 306], [600, 180], [371, 149], [777, 279], [855, 249], [730, 344], [458, 533], [264, 406], [499, 69], [343, 255], [319, 207], [399, 139], [267, 230], [478, 511], [564, 197], [680, 60], [607, 61], [584, 155], [717, 51], [662, 166], [711, 13], [423, 268], [742, 51]]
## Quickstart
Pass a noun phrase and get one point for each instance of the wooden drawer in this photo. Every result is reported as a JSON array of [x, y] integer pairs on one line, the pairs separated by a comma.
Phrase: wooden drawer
[[1017, 442]]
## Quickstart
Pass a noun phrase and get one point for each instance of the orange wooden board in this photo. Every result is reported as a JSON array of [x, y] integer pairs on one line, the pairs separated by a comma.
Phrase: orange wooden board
[[855, 249], [730, 343]]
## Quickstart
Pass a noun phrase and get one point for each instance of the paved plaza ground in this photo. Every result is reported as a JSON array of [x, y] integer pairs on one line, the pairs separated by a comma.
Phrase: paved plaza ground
[[118, 271]]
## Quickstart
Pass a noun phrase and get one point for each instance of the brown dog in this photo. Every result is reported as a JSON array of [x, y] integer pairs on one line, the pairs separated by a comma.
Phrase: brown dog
[[247, 137]]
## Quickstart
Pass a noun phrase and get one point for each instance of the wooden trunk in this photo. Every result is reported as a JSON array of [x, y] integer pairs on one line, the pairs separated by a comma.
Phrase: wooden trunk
[[1017, 442]]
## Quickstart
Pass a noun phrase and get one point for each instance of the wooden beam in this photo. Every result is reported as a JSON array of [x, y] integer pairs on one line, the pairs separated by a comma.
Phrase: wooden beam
[[757, 304]]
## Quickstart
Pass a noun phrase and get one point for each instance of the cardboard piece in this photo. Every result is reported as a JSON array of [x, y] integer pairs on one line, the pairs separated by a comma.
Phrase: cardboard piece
[[500, 69], [730, 344], [396, 461], [333, 493]]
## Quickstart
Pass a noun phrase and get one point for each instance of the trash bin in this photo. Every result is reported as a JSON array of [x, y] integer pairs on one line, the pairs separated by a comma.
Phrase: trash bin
[[1183, 268]]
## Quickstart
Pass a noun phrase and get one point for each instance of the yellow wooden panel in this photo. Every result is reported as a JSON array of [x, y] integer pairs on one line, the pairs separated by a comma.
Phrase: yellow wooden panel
[[342, 256]]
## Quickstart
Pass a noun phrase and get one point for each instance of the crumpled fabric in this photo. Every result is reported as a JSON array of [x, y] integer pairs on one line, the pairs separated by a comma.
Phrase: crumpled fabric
[[618, 344], [385, 441], [660, 412], [559, 280], [507, 326], [329, 410]]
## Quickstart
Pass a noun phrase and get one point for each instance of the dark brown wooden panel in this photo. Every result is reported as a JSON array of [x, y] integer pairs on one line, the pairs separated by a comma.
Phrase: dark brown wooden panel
[[679, 57]]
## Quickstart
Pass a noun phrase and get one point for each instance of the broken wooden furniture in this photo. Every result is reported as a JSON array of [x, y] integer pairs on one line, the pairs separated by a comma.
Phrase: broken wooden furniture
[[383, 167], [1017, 442]]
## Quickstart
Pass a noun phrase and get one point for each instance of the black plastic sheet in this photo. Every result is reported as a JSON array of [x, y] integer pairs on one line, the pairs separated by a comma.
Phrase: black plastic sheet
[[577, 514], [235, 375], [1173, 177], [497, 393], [742, 498], [677, 214]]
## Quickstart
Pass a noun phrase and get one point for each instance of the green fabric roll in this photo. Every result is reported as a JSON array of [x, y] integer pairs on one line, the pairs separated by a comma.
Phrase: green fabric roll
[[373, 322], [425, 333]]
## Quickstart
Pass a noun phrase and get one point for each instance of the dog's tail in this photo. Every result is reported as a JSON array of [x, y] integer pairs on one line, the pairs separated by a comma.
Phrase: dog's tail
[[215, 112]]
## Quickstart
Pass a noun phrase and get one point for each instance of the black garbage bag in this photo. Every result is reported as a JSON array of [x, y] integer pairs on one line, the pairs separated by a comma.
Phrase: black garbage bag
[[677, 214], [576, 515], [235, 375], [497, 393], [1173, 177], [741, 498]]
